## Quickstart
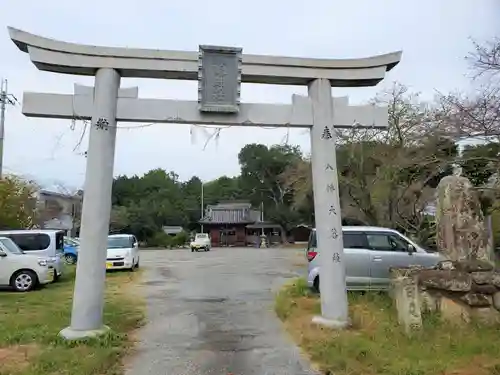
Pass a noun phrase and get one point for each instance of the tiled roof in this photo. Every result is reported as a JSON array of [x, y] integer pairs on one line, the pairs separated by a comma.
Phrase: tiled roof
[[168, 229], [231, 213], [48, 193], [230, 205]]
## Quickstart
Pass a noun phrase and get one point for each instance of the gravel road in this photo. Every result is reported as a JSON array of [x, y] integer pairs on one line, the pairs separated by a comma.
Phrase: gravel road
[[212, 313]]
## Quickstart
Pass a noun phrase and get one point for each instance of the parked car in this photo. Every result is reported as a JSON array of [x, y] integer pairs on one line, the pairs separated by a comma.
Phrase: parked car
[[44, 243], [369, 253], [123, 252], [22, 271], [71, 248], [201, 242]]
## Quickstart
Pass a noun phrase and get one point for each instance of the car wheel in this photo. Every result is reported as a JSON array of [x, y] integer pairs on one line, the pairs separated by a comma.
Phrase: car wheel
[[316, 284], [24, 281], [192, 250], [70, 258]]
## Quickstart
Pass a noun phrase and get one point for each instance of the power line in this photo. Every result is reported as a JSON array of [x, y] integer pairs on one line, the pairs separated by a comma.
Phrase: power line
[[209, 137], [5, 99]]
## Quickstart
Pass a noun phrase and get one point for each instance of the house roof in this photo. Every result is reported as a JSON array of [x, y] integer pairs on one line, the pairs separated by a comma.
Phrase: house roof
[[59, 195], [169, 229], [230, 213], [230, 205]]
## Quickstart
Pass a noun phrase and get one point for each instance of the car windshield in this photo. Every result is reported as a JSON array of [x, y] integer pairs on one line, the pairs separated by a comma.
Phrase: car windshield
[[201, 236], [71, 241], [11, 246], [119, 242]]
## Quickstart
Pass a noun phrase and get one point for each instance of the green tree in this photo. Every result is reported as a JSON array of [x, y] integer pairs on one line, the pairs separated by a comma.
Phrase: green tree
[[17, 203], [119, 219], [480, 162], [481, 165], [191, 192], [386, 177], [261, 168], [147, 203], [223, 189]]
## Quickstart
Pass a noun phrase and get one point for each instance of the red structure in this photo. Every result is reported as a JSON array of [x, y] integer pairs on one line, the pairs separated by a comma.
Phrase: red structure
[[236, 224]]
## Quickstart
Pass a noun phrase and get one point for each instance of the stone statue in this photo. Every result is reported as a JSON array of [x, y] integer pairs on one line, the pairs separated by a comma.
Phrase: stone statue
[[461, 232]]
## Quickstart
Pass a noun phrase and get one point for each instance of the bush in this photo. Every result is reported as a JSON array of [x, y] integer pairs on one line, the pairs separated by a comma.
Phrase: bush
[[285, 302], [180, 239], [160, 239]]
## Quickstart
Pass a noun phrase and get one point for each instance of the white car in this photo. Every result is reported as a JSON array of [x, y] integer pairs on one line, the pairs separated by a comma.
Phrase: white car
[[123, 252], [201, 242], [21, 271]]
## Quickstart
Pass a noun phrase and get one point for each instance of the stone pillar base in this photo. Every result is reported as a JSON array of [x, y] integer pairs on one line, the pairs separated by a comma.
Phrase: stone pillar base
[[330, 323], [70, 334]]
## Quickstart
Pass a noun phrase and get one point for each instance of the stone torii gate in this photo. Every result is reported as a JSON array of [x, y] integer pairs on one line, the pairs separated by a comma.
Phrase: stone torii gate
[[219, 71]]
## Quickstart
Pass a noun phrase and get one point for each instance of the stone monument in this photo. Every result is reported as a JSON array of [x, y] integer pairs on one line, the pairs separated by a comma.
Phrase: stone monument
[[461, 232], [464, 285], [219, 71]]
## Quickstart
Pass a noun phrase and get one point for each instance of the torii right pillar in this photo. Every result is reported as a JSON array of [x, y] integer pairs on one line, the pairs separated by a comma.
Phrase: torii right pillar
[[327, 208]]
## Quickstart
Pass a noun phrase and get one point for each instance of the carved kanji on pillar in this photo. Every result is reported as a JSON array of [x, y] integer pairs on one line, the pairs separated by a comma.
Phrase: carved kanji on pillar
[[327, 134]]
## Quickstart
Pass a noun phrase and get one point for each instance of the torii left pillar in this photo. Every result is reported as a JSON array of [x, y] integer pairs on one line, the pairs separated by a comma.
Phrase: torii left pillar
[[88, 298]]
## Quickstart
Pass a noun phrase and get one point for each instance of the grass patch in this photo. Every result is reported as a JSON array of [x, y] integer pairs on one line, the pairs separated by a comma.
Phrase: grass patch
[[376, 345], [30, 323]]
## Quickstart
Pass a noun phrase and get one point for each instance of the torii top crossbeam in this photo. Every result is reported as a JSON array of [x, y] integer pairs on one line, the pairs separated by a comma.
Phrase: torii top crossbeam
[[70, 58]]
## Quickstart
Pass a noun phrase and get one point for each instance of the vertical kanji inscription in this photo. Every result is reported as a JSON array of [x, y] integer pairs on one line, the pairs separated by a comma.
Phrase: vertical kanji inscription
[[327, 134], [102, 124], [330, 188]]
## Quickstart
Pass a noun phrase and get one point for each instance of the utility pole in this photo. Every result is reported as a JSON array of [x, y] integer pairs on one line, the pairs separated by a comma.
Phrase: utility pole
[[202, 210], [262, 216], [5, 99]]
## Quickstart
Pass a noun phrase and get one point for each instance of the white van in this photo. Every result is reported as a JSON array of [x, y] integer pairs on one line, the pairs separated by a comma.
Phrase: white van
[[44, 243], [122, 252], [22, 271]]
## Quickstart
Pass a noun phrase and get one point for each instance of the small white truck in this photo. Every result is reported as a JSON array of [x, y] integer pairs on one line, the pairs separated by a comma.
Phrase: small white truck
[[201, 242]]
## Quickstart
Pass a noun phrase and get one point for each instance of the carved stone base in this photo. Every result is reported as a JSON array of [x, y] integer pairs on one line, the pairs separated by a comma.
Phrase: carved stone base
[[71, 334], [460, 291], [335, 324], [406, 294]]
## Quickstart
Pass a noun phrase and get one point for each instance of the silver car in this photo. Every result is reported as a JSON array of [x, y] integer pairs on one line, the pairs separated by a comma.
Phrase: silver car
[[45, 243], [369, 253]]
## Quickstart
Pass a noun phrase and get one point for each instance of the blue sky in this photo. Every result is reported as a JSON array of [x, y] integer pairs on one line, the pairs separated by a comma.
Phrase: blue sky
[[434, 37]]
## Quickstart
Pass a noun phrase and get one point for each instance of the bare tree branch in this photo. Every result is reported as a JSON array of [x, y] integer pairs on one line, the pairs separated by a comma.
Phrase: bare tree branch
[[485, 59]]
